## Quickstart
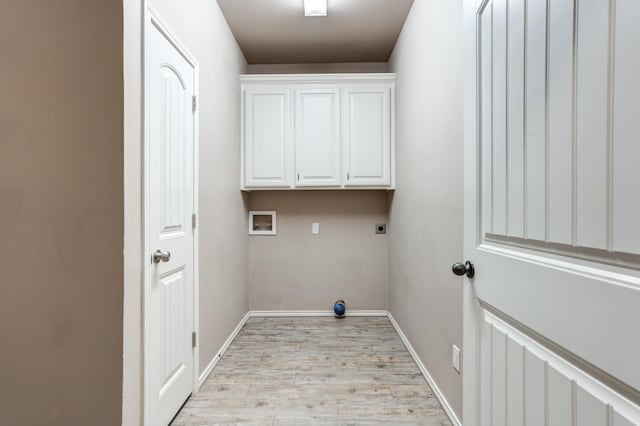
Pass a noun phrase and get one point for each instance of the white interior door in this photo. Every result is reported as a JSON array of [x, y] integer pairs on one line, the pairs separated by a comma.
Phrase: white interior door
[[552, 208], [367, 136], [317, 137], [170, 298], [268, 136]]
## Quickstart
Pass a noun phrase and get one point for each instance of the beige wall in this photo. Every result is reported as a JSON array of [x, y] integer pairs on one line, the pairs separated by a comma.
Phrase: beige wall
[[343, 67], [61, 212], [223, 210], [347, 260], [426, 211]]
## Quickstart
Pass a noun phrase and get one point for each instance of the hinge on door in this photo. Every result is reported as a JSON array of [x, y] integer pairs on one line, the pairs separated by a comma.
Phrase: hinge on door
[[348, 175], [194, 103], [193, 220], [193, 339]]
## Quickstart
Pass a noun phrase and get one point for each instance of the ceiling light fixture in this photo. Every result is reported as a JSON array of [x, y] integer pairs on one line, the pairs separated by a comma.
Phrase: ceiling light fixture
[[315, 7]]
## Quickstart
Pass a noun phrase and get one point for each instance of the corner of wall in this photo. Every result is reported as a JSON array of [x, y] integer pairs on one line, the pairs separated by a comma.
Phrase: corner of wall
[[425, 221]]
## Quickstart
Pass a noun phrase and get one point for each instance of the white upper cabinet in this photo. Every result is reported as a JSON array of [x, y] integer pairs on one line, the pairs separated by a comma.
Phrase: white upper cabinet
[[318, 131], [367, 136], [268, 138], [317, 137]]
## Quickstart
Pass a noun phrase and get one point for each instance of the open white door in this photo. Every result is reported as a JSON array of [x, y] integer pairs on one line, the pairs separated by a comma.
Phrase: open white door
[[552, 212], [169, 299]]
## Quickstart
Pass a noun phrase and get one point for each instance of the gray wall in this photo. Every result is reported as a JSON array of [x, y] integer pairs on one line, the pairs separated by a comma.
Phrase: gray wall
[[223, 208], [426, 212], [61, 212], [298, 270]]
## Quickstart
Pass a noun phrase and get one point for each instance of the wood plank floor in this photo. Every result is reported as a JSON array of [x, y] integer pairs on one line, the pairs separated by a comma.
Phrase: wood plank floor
[[320, 371]]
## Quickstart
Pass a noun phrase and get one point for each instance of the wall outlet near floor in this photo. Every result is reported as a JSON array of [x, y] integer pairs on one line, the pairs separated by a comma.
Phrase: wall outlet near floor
[[456, 358], [381, 228], [315, 228]]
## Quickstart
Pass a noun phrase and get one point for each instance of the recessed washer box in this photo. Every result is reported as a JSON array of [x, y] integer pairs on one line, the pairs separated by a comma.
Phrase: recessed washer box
[[262, 222]]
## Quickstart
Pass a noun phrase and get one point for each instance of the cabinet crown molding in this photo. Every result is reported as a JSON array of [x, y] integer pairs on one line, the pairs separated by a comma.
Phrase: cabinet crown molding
[[342, 78]]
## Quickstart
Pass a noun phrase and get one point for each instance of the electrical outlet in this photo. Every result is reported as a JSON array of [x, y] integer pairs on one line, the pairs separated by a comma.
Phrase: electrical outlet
[[381, 228], [456, 358], [315, 228]]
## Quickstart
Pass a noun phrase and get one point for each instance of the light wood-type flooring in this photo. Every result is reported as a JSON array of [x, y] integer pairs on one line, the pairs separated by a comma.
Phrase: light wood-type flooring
[[315, 371]]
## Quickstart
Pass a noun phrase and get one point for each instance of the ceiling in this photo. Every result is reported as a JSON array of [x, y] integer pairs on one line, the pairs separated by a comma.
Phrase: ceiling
[[277, 32]]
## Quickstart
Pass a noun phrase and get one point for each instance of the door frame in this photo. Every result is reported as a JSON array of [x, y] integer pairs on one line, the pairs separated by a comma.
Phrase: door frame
[[471, 311], [152, 18]]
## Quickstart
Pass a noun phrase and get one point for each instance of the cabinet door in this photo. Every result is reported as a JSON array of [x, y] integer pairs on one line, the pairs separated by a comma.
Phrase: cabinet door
[[367, 136], [268, 153], [317, 138]]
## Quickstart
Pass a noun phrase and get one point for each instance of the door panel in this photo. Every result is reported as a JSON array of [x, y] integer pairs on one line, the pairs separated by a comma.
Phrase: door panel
[[534, 389], [173, 328], [317, 128], [560, 405], [535, 119], [268, 147], [559, 117], [592, 140], [515, 383], [554, 302], [486, 120], [498, 146], [170, 304], [172, 101], [367, 136], [626, 128], [572, 168], [529, 384], [497, 400], [515, 118]]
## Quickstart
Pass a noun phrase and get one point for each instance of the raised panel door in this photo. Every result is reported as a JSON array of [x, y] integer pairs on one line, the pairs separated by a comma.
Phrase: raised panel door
[[169, 302], [549, 171]]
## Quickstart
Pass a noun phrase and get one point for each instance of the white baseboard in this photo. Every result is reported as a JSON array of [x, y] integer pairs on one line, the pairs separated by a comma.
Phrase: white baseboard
[[207, 371], [356, 313], [436, 391], [362, 313]]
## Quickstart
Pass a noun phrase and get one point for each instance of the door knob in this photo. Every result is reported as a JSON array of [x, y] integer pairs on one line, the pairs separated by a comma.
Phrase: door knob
[[464, 269], [161, 256]]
